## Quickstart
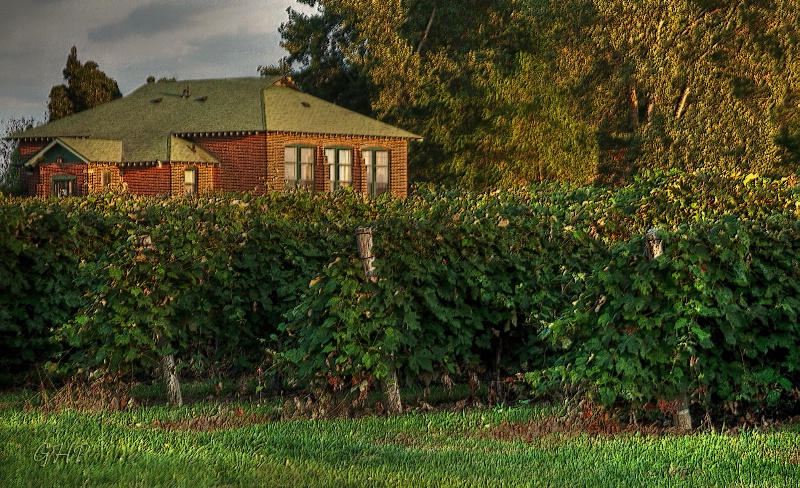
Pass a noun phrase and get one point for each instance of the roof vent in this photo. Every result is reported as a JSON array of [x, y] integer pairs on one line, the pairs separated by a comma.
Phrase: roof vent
[[305, 104], [155, 100], [201, 99]]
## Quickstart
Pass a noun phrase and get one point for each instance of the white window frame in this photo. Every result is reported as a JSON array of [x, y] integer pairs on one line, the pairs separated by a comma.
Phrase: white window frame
[[370, 155], [340, 166], [298, 161], [190, 186]]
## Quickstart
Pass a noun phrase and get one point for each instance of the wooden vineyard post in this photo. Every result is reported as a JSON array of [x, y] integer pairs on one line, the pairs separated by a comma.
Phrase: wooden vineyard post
[[364, 246], [653, 248], [167, 361], [391, 385], [171, 379]]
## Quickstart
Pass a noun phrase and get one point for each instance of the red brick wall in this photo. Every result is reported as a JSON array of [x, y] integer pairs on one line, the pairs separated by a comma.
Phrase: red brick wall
[[46, 171], [151, 180], [95, 176], [398, 159], [243, 161], [26, 150], [205, 178]]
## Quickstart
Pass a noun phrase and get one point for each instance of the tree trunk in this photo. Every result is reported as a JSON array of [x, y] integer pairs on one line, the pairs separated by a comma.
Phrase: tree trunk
[[427, 30], [633, 110], [682, 104]]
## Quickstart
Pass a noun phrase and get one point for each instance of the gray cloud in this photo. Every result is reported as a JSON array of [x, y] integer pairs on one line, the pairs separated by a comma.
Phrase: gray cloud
[[150, 19], [131, 40]]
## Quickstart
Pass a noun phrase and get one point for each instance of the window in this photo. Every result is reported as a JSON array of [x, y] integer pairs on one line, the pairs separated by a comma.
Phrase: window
[[105, 178], [298, 167], [340, 167], [190, 181], [377, 164], [63, 186]]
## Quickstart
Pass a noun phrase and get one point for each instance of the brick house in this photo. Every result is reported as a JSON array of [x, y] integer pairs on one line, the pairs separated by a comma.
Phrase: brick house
[[232, 135]]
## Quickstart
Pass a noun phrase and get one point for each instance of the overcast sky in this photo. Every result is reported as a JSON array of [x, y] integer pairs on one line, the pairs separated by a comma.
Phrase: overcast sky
[[130, 40]]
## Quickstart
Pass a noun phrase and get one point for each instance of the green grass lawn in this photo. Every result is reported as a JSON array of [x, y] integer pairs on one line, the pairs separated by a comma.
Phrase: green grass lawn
[[161, 446]]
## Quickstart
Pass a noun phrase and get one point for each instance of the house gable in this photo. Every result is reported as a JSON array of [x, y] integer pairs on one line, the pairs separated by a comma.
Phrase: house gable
[[76, 151]]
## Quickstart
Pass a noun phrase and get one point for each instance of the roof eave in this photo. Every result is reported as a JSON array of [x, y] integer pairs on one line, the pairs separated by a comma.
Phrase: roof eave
[[410, 137]]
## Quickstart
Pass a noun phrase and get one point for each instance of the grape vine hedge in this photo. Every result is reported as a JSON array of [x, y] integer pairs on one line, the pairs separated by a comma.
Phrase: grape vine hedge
[[548, 281]]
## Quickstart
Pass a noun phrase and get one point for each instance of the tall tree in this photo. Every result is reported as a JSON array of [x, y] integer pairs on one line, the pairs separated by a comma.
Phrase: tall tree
[[86, 87], [511, 91], [9, 153], [323, 45]]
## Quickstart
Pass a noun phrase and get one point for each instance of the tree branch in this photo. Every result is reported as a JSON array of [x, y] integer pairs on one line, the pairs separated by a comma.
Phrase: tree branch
[[427, 30]]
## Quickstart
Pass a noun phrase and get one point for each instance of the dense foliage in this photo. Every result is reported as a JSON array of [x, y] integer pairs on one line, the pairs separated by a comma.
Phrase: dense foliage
[[551, 281], [512, 91]]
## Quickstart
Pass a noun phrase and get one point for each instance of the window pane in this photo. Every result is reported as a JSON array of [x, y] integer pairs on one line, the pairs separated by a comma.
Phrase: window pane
[[345, 156], [289, 154], [345, 175], [190, 181], [290, 171], [306, 171], [382, 174], [382, 158], [345, 167], [367, 159], [307, 154], [307, 175]]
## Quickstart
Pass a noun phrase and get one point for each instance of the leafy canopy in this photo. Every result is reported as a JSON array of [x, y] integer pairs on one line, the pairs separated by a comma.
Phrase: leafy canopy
[[509, 91], [86, 87]]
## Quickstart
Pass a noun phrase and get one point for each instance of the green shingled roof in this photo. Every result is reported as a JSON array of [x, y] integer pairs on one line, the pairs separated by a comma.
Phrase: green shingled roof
[[146, 119], [97, 150], [290, 110]]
